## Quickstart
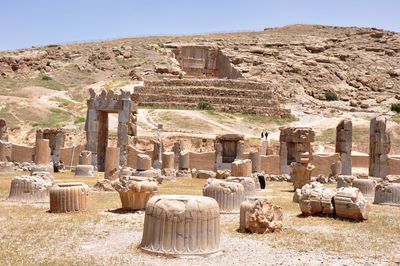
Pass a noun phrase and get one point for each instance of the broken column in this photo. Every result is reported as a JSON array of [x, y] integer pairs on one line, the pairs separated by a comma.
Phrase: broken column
[[42, 152], [143, 162], [259, 215], [177, 152], [344, 144], [350, 203], [366, 187], [168, 160], [68, 197], [255, 158], [295, 142], [84, 168], [3, 130], [6, 166], [301, 171], [387, 194], [184, 161], [29, 189], [379, 147], [229, 195], [247, 182], [157, 153], [241, 168], [112, 162], [134, 192], [189, 225]]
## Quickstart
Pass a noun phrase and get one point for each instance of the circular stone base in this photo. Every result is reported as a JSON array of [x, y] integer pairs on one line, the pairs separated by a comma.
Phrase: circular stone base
[[42, 168], [84, 170]]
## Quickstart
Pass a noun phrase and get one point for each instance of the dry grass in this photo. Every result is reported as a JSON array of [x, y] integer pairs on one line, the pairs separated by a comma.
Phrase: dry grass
[[30, 235]]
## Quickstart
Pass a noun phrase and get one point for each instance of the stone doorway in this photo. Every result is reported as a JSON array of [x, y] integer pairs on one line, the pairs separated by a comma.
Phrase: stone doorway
[[99, 106]]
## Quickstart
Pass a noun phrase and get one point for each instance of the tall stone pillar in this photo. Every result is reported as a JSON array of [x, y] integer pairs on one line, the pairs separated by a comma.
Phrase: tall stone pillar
[[256, 161], [177, 153], [157, 153], [285, 170], [112, 161], [123, 129], [344, 143], [379, 147], [5, 151], [239, 150], [42, 152]]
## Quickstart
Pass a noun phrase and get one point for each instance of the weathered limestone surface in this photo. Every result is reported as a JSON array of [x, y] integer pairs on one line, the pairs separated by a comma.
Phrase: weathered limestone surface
[[181, 225], [84, 170], [387, 194], [259, 215], [314, 199], [379, 147], [112, 162], [177, 149], [85, 158], [255, 161], [229, 195], [41, 168], [134, 192], [295, 142], [350, 203], [344, 143], [5, 151], [228, 148], [56, 137], [157, 154], [241, 168], [345, 181], [366, 187], [301, 174], [96, 126], [143, 162], [29, 189], [42, 152], [247, 182], [3, 130], [68, 197], [184, 161], [168, 160]]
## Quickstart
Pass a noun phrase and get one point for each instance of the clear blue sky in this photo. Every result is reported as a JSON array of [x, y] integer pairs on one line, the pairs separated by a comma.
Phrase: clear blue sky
[[26, 23]]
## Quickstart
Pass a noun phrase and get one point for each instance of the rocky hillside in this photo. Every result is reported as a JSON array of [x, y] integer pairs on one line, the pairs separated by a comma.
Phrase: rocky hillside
[[47, 86]]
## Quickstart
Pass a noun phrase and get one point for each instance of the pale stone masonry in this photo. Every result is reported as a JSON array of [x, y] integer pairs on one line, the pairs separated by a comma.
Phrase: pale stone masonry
[[379, 147], [344, 144], [99, 106]]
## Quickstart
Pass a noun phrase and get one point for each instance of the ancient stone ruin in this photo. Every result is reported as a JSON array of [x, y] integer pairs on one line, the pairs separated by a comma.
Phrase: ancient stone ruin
[[68, 197], [247, 182], [344, 144], [387, 194], [56, 137], [379, 147], [85, 167], [259, 215], [295, 144], [134, 192], [112, 163], [228, 148], [3, 130], [6, 166], [99, 106], [229, 195], [29, 189], [181, 225], [241, 167]]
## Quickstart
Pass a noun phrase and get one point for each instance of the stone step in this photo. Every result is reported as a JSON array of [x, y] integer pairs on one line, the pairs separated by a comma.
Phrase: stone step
[[221, 107], [202, 90], [194, 99]]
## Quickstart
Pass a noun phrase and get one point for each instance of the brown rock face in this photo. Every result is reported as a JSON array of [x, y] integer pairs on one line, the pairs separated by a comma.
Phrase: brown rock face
[[168, 229], [259, 215]]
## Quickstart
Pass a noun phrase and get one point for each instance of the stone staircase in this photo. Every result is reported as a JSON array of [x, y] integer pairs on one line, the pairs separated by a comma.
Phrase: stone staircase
[[224, 95]]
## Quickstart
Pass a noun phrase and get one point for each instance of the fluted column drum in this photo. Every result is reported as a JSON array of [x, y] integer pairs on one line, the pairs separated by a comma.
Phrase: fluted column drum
[[181, 225], [135, 192], [29, 189], [229, 195], [68, 197], [387, 194], [247, 182], [241, 168], [366, 187]]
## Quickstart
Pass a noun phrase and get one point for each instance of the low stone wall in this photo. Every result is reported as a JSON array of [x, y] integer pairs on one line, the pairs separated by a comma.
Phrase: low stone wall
[[70, 156], [323, 162], [202, 161], [132, 156], [361, 161], [22, 153], [394, 166]]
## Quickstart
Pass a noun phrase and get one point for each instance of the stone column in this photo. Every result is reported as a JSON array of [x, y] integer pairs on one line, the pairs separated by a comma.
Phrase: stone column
[[344, 144], [168, 160], [85, 158], [3, 130], [379, 147], [143, 162], [42, 151], [218, 155], [239, 150], [157, 151], [92, 133], [256, 161], [283, 158], [112, 161], [177, 152], [123, 130]]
